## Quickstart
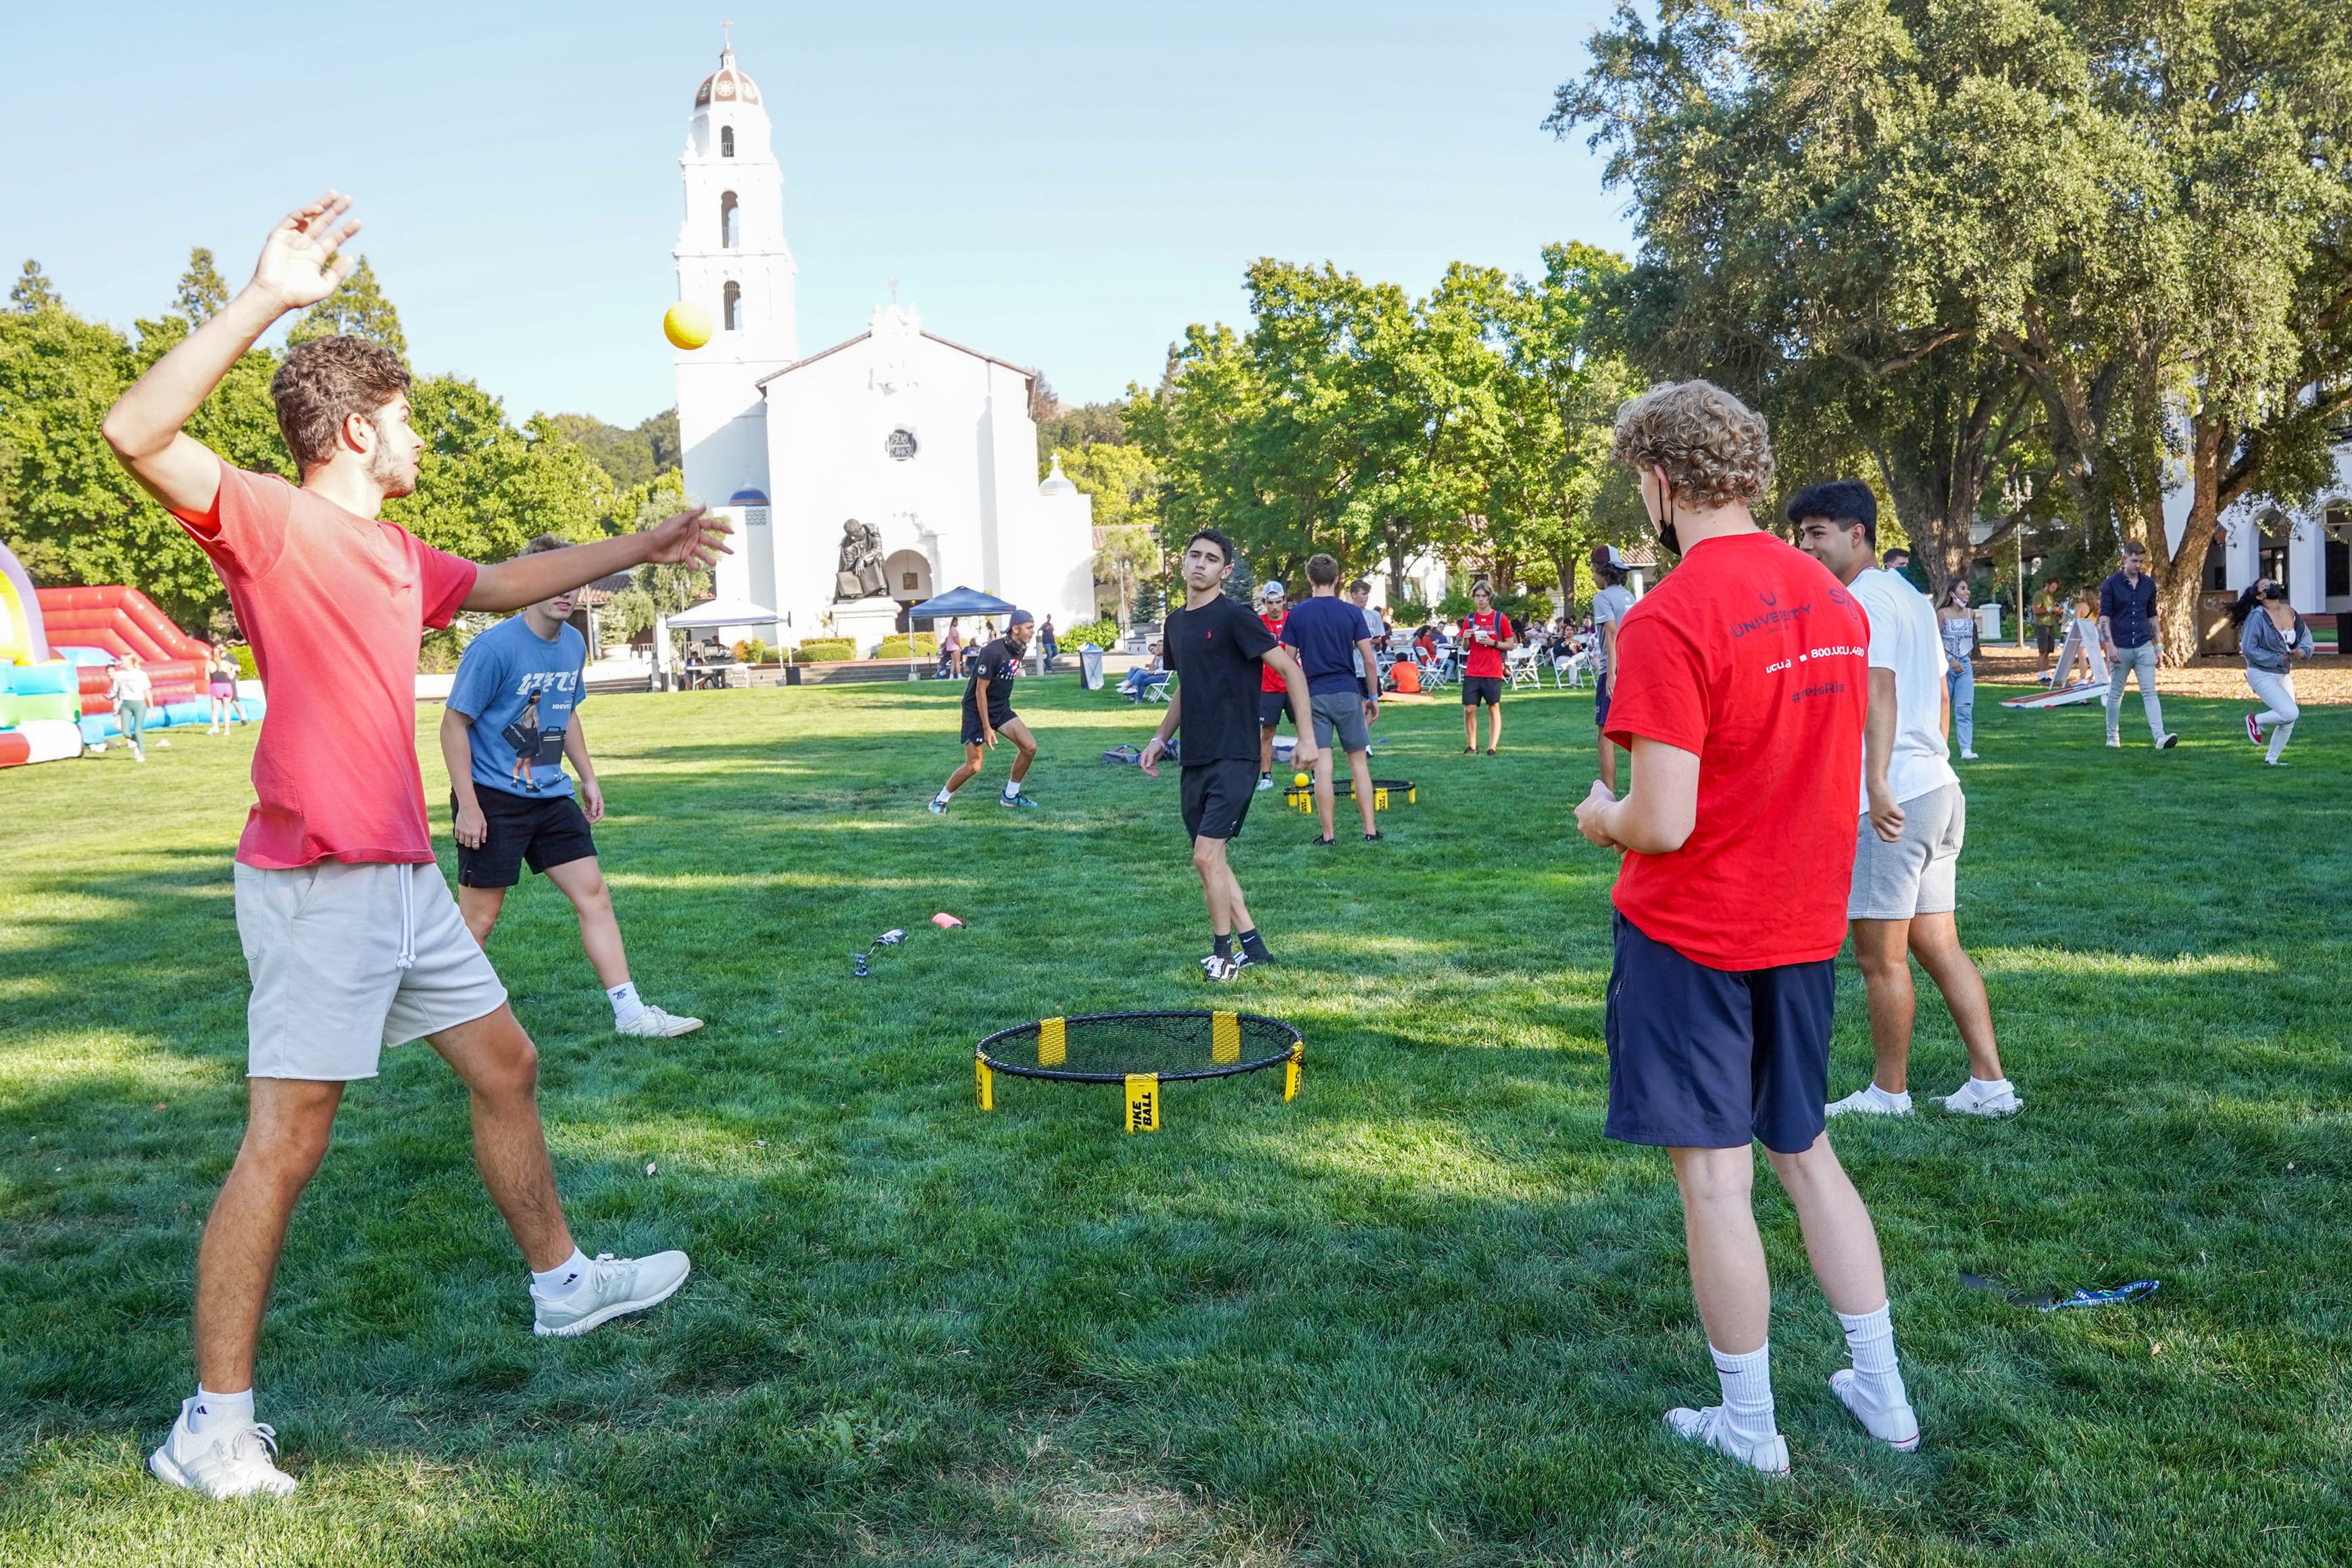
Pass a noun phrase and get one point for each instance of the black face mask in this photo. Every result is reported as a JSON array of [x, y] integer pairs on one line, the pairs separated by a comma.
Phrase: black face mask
[[1667, 539]]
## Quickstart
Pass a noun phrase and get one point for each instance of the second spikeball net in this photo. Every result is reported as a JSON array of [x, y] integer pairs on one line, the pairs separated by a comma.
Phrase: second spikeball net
[[1142, 1051]]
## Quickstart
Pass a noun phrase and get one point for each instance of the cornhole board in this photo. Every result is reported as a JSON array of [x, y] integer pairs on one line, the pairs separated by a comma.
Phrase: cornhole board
[[2064, 696]]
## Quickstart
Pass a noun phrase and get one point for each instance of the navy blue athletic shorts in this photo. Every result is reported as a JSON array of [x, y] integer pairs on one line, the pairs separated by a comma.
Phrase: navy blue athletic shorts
[[1273, 708], [1601, 702], [1216, 797], [1711, 1058]]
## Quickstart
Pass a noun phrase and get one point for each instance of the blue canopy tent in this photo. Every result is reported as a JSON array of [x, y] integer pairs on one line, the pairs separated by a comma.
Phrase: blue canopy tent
[[956, 600]]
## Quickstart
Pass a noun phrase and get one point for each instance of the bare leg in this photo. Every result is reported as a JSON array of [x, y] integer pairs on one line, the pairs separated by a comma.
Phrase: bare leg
[[1218, 888], [973, 754], [1495, 727], [499, 1067], [1879, 950], [1325, 794], [1609, 764], [1728, 1276], [1359, 768], [1839, 1239], [582, 881], [1936, 939], [1024, 746], [478, 909], [285, 1134], [1469, 726], [1266, 749]]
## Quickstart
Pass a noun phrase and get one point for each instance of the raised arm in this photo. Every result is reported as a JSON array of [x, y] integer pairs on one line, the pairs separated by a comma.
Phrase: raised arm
[[688, 538], [298, 266]]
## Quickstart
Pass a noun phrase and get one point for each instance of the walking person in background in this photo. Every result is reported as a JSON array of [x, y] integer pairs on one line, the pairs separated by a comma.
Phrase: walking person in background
[[1609, 607], [1049, 644], [2270, 632], [951, 649], [2049, 612], [1956, 624], [2127, 637], [220, 684], [132, 690]]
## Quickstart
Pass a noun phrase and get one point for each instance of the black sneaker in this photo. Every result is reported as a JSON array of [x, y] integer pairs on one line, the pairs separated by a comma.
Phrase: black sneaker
[[1490, 751], [1325, 843], [1469, 751], [1376, 838]]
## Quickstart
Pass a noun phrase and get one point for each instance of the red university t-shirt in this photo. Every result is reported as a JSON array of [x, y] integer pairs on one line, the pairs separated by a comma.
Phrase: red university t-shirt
[[1753, 657], [1269, 681], [334, 605], [1481, 659]]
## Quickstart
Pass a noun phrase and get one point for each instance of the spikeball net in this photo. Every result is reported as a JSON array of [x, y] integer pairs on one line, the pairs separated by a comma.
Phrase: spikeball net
[[1142, 1051]]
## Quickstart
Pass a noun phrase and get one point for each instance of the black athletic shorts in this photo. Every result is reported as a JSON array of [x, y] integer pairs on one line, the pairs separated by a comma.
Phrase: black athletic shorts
[[545, 831], [971, 733], [2045, 639], [1712, 1058], [1273, 708], [1488, 689], [1217, 795], [1601, 701]]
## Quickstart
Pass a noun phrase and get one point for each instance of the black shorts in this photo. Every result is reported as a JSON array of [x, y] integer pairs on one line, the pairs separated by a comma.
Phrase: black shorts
[[1217, 795], [1711, 1058], [972, 732], [1272, 706], [1488, 689], [548, 831], [2045, 639], [1601, 702]]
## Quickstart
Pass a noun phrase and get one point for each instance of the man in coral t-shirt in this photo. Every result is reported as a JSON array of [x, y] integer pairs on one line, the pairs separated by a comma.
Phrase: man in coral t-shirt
[[1740, 691], [351, 936], [1273, 696]]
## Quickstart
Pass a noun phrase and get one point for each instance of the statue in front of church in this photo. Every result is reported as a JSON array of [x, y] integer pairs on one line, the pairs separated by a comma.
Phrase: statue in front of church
[[860, 576]]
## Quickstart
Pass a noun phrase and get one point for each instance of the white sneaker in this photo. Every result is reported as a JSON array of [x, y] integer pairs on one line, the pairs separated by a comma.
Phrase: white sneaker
[[1713, 1427], [1896, 1426], [1971, 1101], [613, 1287], [1967, 757], [2167, 741], [938, 807], [655, 1024], [227, 1462], [2115, 743], [1870, 1100], [1265, 782]]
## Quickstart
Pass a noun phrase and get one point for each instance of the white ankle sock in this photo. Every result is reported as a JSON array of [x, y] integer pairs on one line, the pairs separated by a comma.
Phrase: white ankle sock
[[563, 1279], [1870, 1341], [944, 795], [1012, 788], [1746, 1391], [209, 1411], [1987, 1088], [625, 1005], [1902, 1101]]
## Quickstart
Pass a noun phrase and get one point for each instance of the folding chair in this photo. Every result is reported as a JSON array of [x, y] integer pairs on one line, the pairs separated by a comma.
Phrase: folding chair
[[1519, 668]]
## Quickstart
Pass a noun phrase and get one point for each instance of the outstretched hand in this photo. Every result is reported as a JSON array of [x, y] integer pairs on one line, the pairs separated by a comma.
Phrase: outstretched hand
[[300, 264], [691, 539]]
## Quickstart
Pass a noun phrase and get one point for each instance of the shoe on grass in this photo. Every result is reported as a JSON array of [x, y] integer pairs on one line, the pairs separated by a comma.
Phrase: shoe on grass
[[1376, 838], [2254, 730], [2115, 743], [2167, 741], [613, 1288], [1017, 802], [1220, 968], [1967, 757], [225, 1462], [1870, 1100], [1265, 782], [1897, 1425], [938, 807], [1713, 1427], [655, 1024], [1977, 1098]]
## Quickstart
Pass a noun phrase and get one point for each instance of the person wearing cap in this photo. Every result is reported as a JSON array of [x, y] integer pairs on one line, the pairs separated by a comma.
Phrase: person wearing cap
[[1273, 696], [1609, 607], [988, 712]]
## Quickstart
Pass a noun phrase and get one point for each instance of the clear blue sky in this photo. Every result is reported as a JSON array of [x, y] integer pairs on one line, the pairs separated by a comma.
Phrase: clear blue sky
[[1063, 186]]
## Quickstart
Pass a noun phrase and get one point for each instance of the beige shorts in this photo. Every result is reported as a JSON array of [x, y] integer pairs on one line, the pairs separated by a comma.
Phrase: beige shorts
[[347, 959]]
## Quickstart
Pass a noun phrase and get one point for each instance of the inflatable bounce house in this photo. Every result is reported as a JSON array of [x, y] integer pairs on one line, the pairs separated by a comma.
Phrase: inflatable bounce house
[[57, 646]]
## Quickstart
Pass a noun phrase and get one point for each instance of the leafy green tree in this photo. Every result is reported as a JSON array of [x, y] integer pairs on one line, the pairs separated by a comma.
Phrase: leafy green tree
[[485, 488], [203, 290], [33, 291], [632, 455], [357, 308], [1070, 427]]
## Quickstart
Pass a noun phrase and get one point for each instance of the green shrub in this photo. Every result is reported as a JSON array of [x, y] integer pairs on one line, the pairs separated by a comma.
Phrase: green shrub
[[1101, 633], [754, 651], [246, 670], [927, 646], [825, 650]]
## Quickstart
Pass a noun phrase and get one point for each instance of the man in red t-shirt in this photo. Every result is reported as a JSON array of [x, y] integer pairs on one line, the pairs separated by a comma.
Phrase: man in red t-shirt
[[1486, 633], [1741, 688], [351, 936], [1273, 696]]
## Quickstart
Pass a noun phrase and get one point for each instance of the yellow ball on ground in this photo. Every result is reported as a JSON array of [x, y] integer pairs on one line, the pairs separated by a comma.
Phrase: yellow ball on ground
[[1299, 780], [687, 325]]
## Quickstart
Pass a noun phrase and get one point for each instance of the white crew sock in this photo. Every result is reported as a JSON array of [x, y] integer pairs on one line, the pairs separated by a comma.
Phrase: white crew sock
[[1893, 1101], [1012, 789], [944, 796], [1870, 1341], [626, 1005], [209, 1411], [1746, 1391], [563, 1279]]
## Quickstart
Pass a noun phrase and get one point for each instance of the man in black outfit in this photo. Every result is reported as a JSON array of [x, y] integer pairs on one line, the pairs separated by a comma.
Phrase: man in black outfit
[[1219, 650], [988, 712]]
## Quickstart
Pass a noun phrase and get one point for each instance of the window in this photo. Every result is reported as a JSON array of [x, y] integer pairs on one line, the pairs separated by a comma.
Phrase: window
[[727, 141], [730, 223], [730, 305]]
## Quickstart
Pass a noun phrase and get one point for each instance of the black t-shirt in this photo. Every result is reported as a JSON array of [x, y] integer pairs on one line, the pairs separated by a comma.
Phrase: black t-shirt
[[997, 665], [1216, 652]]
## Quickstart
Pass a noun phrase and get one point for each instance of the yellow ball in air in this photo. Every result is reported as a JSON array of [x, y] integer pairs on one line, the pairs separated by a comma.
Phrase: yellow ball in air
[[1298, 781], [687, 325]]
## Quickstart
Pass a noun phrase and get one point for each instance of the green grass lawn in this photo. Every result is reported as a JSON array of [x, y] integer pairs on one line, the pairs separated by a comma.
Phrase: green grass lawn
[[1423, 1314]]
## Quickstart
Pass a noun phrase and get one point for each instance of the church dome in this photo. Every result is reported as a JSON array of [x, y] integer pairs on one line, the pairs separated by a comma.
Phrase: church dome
[[725, 85], [1058, 483]]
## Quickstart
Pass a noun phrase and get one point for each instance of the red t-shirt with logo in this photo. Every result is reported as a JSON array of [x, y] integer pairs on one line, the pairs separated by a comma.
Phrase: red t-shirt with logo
[[1269, 681], [334, 605], [1480, 660], [1753, 657]]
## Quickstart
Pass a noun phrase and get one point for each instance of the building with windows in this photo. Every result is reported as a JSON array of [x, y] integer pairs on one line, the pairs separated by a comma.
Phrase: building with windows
[[895, 458]]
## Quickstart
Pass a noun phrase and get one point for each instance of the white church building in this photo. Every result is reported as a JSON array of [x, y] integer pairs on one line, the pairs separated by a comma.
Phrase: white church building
[[896, 443]]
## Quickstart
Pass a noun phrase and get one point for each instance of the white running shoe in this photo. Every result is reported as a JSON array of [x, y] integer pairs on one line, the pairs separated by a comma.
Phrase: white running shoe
[[1967, 757], [1972, 1101], [938, 807], [613, 1287], [2167, 741], [1265, 782], [1713, 1427], [2115, 743], [1870, 1100], [227, 1462], [1897, 1427], [655, 1024]]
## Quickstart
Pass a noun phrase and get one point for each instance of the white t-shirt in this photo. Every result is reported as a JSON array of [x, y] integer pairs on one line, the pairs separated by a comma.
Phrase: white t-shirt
[[1609, 604], [1904, 638], [130, 685]]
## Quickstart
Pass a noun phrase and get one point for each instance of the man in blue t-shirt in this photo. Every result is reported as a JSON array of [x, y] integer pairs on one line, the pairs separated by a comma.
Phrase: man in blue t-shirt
[[1335, 649], [2128, 626], [512, 717]]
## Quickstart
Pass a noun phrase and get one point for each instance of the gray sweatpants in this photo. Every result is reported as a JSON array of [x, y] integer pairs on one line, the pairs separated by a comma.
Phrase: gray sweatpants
[[2127, 660]]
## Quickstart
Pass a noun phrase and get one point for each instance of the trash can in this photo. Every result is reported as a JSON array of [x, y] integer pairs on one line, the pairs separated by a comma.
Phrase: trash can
[[1089, 666], [1989, 622]]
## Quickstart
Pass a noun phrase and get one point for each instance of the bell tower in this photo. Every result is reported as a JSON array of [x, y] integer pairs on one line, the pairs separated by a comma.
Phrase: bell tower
[[733, 262]]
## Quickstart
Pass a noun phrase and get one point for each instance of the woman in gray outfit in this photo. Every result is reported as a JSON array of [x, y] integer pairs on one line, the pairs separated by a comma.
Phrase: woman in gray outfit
[[2270, 632]]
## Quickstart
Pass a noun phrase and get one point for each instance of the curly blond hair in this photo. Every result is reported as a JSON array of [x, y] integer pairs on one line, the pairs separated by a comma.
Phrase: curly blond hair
[[1715, 449]]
